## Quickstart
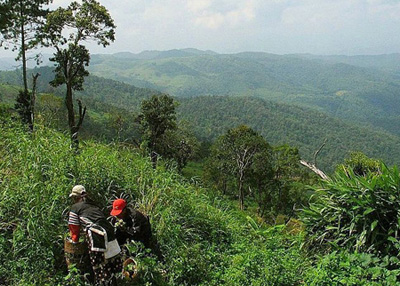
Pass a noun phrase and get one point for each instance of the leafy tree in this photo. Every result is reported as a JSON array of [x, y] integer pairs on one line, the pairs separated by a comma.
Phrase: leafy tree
[[66, 30], [261, 179], [20, 28], [180, 145], [289, 179], [5, 20], [156, 118], [217, 170], [237, 150], [361, 164]]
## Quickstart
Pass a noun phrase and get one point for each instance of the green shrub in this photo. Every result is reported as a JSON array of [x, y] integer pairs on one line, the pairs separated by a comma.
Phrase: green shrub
[[357, 269], [356, 212]]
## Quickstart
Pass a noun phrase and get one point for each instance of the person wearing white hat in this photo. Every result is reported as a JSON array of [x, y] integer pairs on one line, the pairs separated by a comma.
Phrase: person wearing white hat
[[103, 247]]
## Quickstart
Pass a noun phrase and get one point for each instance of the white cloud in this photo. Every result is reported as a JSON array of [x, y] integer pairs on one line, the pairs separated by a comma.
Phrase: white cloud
[[198, 5], [279, 26], [242, 12]]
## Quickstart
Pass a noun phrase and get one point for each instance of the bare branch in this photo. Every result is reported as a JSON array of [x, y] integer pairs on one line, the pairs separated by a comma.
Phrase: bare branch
[[313, 168], [317, 152], [82, 112]]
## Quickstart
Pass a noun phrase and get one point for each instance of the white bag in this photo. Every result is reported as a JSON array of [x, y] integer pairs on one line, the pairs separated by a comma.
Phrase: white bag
[[113, 249]]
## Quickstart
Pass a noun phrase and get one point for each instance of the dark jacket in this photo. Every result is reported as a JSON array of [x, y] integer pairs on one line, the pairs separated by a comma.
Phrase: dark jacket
[[94, 223], [135, 226]]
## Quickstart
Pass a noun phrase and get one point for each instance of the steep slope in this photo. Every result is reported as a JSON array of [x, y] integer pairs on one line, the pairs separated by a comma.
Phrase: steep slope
[[204, 239]]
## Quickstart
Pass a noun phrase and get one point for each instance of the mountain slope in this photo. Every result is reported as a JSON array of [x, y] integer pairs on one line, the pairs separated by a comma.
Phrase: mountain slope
[[287, 124], [387, 62], [350, 92], [205, 240], [211, 116]]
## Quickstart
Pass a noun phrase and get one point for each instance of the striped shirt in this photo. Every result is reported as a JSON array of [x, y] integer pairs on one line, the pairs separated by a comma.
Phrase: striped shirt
[[85, 214]]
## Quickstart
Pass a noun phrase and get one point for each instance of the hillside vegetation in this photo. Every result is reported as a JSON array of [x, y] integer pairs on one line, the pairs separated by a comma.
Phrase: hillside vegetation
[[209, 117], [286, 124], [205, 240]]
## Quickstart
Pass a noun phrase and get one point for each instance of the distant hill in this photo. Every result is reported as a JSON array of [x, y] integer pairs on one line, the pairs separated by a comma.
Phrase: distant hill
[[210, 116], [361, 90], [9, 63], [150, 55], [387, 62]]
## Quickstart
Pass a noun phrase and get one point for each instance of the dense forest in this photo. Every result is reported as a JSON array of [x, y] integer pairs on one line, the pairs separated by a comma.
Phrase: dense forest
[[210, 116], [362, 90]]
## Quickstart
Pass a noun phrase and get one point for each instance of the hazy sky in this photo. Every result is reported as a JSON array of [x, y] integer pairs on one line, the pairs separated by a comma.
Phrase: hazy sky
[[276, 26]]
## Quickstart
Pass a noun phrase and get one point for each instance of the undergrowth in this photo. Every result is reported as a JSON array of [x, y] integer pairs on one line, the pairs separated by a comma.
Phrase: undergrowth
[[205, 241]]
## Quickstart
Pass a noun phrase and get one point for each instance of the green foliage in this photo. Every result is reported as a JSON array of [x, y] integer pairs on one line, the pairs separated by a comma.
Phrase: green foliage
[[65, 31], [288, 183], [179, 145], [156, 118], [353, 269], [82, 22], [357, 213], [242, 159], [199, 235], [23, 106], [74, 277], [282, 124], [362, 95], [21, 31], [361, 164], [210, 117], [149, 270], [6, 19], [234, 154], [20, 24]]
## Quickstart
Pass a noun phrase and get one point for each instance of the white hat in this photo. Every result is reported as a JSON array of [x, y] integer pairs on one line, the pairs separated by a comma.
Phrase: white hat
[[78, 191]]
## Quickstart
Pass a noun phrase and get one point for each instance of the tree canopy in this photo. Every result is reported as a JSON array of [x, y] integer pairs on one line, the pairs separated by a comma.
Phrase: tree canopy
[[20, 27], [66, 30], [157, 117]]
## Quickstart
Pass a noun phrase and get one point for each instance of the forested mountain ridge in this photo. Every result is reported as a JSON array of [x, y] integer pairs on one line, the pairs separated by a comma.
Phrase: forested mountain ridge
[[360, 89], [343, 89], [387, 62], [101, 89], [287, 124], [210, 116]]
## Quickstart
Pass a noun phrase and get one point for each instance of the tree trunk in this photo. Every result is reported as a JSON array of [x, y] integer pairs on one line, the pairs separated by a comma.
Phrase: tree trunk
[[241, 194], [24, 77], [33, 99], [23, 48], [71, 116], [70, 107]]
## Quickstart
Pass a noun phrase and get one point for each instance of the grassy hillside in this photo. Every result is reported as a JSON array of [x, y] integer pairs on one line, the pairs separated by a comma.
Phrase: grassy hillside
[[205, 240]]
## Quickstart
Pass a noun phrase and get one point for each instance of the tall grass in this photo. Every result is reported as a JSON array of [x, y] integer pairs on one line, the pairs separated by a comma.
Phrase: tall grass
[[204, 240], [359, 213]]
